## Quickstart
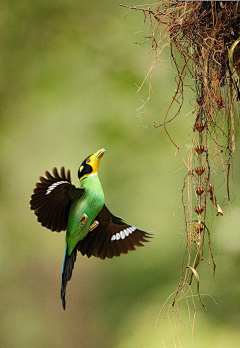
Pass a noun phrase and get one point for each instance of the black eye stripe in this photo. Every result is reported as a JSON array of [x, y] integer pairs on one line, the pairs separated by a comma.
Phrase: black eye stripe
[[86, 169]]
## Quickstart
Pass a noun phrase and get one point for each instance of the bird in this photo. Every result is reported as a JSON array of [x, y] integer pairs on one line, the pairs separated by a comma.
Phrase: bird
[[90, 227]]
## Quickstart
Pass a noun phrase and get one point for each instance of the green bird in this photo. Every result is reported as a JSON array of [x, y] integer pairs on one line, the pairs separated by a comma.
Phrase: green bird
[[91, 228]]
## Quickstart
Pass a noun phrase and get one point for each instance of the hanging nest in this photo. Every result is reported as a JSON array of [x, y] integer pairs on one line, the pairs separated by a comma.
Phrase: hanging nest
[[205, 49]]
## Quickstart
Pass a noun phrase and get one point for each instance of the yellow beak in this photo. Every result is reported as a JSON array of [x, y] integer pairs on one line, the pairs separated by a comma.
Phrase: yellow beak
[[99, 154], [95, 160]]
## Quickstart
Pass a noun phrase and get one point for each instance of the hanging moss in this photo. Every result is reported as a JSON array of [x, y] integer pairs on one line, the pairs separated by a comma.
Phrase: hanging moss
[[205, 34]]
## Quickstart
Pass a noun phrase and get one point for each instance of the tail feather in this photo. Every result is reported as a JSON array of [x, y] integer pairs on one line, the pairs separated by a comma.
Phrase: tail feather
[[68, 265]]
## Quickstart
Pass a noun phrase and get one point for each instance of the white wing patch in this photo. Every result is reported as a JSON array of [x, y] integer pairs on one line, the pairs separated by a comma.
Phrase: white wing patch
[[54, 185], [124, 233]]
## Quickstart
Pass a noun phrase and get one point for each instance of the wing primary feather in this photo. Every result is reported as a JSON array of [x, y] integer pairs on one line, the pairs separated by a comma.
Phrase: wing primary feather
[[112, 237], [52, 198]]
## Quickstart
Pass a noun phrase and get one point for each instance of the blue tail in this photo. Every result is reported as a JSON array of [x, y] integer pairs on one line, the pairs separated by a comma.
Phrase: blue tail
[[67, 268]]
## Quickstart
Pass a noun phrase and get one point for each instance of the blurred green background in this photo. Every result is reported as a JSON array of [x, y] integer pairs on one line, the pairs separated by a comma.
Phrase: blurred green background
[[69, 77]]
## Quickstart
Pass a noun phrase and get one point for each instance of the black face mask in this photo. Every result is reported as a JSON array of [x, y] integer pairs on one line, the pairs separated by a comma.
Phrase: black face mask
[[86, 168]]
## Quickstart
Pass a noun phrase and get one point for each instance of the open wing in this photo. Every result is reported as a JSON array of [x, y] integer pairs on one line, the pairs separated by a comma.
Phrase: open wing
[[111, 237], [52, 199]]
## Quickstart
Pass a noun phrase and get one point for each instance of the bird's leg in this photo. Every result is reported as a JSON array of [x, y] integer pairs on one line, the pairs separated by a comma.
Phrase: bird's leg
[[83, 220], [93, 226]]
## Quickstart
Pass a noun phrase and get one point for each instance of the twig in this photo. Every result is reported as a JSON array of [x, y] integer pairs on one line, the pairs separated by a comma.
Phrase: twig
[[232, 118], [144, 10], [164, 123]]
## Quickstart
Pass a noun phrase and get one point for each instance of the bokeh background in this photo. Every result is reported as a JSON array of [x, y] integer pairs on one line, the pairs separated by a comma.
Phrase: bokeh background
[[70, 73]]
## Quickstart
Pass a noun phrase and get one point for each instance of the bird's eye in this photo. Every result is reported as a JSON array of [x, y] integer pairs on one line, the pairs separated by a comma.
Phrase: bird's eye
[[88, 160]]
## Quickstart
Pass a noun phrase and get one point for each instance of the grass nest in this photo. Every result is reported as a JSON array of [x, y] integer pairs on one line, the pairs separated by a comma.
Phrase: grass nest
[[205, 49]]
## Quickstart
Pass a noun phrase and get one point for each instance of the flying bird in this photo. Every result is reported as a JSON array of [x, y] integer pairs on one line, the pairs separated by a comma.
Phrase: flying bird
[[90, 227]]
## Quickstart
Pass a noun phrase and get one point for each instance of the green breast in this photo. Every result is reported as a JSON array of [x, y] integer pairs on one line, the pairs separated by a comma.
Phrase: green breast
[[90, 204]]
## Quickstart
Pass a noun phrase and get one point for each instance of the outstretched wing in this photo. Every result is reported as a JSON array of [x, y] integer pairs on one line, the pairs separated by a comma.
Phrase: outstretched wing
[[52, 198], [111, 237]]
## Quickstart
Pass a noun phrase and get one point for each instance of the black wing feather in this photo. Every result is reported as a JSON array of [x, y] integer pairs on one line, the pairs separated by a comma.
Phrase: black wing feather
[[112, 237], [52, 198]]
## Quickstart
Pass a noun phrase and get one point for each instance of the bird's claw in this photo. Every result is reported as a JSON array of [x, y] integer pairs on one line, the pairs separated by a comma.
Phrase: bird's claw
[[93, 226], [83, 220]]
